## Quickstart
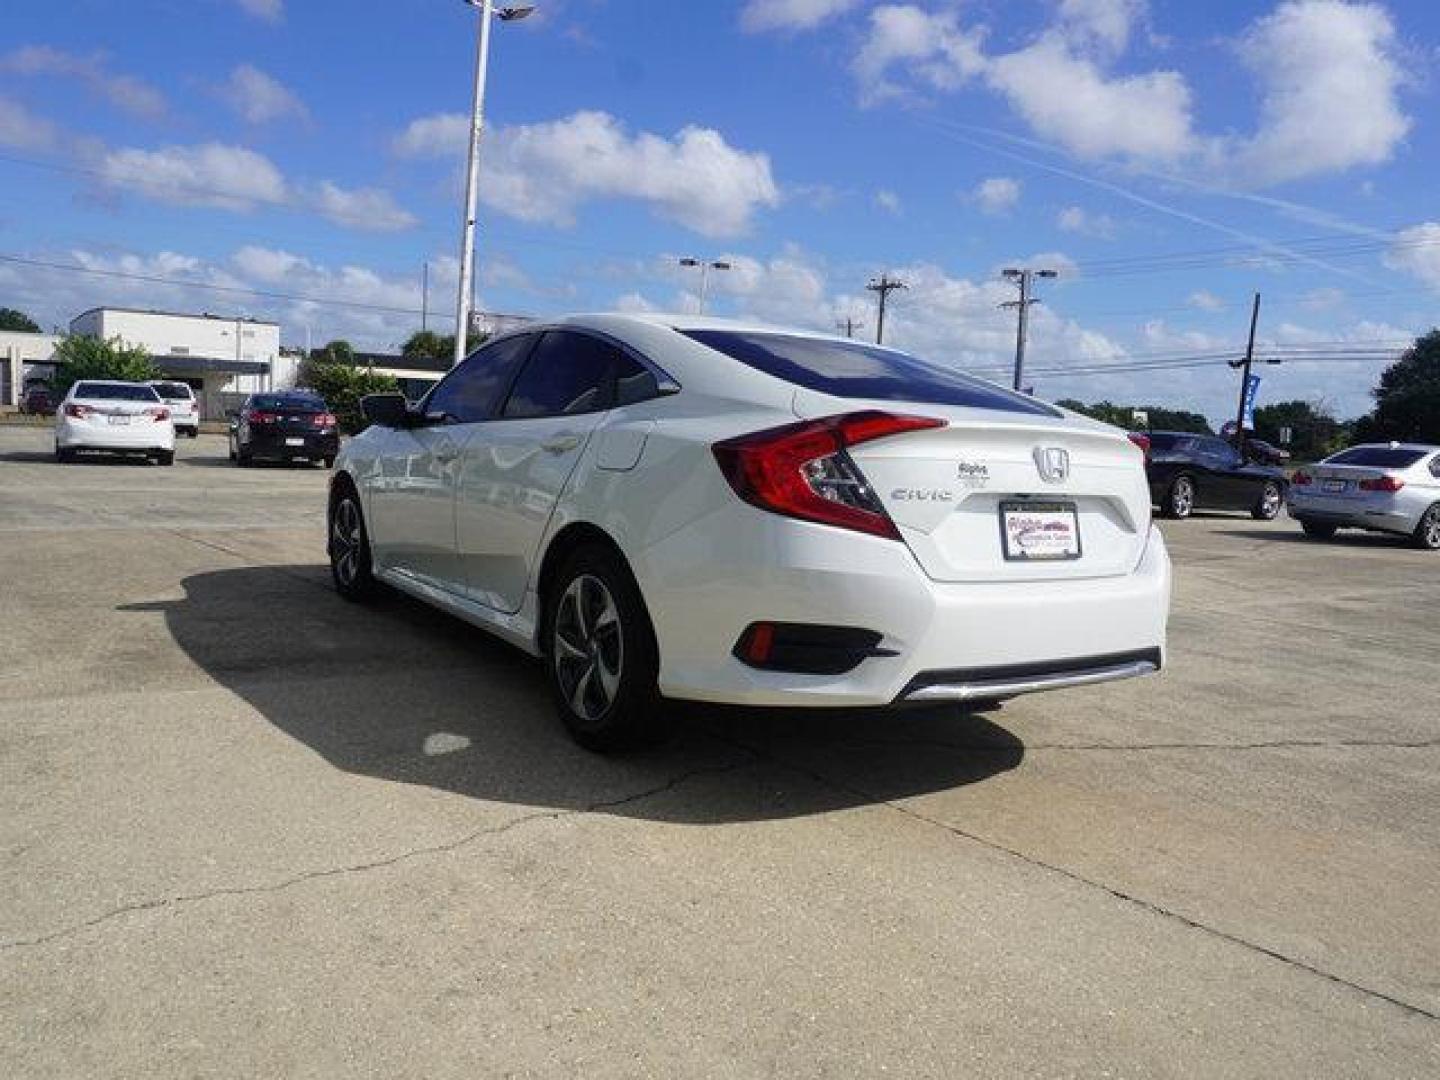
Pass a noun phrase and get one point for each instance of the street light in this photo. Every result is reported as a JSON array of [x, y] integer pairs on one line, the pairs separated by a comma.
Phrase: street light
[[509, 13], [705, 268]]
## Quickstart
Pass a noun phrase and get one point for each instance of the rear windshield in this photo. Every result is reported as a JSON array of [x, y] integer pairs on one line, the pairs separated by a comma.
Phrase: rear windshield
[[1164, 441], [1377, 457], [853, 370], [109, 391], [279, 402], [173, 390]]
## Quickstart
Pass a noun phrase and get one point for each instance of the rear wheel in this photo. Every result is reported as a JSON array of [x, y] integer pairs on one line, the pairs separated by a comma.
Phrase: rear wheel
[[63, 456], [1427, 532], [349, 547], [1317, 530], [165, 457], [328, 461], [242, 457], [601, 654], [1180, 499], [1267, 506]]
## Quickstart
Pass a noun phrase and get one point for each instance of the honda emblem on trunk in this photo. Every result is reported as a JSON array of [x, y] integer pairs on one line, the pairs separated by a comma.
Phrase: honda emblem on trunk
[[1053, 463]]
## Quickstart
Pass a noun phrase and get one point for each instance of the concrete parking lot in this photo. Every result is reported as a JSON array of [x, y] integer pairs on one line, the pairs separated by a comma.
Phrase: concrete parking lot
[[250, 830]]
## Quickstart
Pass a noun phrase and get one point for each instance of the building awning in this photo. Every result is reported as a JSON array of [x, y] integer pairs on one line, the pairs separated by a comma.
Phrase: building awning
[[170, 364]]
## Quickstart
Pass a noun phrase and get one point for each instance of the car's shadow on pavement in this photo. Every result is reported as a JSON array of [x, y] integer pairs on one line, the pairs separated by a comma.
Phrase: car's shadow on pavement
[[1344, 538], [402, 692]]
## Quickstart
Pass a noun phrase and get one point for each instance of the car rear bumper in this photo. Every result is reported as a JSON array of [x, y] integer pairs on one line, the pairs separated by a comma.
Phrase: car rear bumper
[[277, 445], [1382, 512], [968, 640], [139, 435]]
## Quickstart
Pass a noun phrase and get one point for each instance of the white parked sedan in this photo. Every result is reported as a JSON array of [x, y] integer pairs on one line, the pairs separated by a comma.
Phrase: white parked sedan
[[698, 509], [184, 409], [1384, 487], [119, 417]]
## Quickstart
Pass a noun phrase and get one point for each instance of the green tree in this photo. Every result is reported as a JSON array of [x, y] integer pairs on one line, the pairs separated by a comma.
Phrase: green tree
[[1314, 431], [1123, 416], [1407, 401], [10, 319], [84, 357], [338, 351], [342, 386], [428, 344]]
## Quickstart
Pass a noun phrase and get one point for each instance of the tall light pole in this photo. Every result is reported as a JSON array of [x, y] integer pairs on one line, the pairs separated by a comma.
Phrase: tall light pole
[[1022, 325], [705, 267], [487, 10]]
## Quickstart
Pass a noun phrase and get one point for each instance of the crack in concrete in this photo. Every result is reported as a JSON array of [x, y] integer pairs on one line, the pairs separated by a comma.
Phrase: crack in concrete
[[375, 864], [1151, 906]]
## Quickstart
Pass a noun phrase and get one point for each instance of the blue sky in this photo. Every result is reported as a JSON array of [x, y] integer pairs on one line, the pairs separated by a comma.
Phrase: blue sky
[[1168, 158]]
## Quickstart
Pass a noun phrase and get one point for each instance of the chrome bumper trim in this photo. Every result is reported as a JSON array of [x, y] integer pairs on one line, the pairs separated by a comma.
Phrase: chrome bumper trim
[[996, 689]]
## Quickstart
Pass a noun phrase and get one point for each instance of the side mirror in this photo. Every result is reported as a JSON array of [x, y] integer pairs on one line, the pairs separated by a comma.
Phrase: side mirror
[[387, 410]]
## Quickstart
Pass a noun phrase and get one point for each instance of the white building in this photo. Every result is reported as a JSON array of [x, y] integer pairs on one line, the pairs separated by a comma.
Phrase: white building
[[24, 359], [219, 356]]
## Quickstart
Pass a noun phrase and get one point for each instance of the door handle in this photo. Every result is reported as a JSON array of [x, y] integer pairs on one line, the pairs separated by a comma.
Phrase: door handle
[[561, 443]]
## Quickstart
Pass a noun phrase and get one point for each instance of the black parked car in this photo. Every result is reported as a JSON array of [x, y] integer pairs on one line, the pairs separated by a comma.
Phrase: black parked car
[[1202, 472], [38, 401], [286, 425]]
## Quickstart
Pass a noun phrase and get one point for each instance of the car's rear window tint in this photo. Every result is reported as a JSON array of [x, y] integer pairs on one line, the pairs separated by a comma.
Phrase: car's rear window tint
[[1377, 457], [116, 391], [293, 402], [1166, 441], [854, 370]]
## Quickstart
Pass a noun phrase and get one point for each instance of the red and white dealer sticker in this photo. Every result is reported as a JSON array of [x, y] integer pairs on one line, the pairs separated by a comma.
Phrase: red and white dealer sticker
[[1035, 531]]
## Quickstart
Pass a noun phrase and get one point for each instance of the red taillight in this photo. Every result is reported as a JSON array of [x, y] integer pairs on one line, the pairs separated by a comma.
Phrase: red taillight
[[1382, 483], [1302, 479], [158, 414], [802, 470], [1141, 440], [325, 419], [79, 412], [254, 416]]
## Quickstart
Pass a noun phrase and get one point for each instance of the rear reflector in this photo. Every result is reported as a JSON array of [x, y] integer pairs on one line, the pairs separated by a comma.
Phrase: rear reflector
[[806, 649], [1382, 483], [802, 470]]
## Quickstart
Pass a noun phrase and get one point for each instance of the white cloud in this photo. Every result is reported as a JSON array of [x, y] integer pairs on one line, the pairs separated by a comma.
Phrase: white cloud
[[1330, 81], [761, 15], [258, 97], [360, 208], [932, 49], [888, 201], [1102, 24], [1323, 299], [1078, 220], [21, 129], [1416, 251], [210, 174], [997, 194], [267, 10], [1070, 100], [123, 91], [545, 172], [1205, 300]]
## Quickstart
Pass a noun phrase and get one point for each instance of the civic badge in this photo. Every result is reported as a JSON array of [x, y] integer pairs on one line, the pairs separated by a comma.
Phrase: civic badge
[[1053, 463]]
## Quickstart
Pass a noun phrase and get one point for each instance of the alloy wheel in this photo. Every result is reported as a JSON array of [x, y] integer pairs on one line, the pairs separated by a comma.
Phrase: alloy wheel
[[1270, 501], [588, 648], [345, 541], [1430, 527], [1182, 500]]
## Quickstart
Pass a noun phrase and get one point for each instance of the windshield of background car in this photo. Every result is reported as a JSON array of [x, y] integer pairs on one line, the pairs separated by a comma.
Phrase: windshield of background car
[[854, 370], [99, 391], [282, 402], [1377, 457], [175, 390]]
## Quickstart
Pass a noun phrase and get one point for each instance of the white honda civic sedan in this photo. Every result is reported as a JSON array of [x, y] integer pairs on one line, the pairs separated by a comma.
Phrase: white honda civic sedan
[[666, 507]]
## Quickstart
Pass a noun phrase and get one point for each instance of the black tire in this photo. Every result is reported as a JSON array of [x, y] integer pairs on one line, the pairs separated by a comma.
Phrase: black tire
[[230, 448], [1427, 533], [242, 457], [64, 457], [1267, 506], [165, 457], [1317, 530], [1180, 498], [328, 462], [596, 625], [348, 546]]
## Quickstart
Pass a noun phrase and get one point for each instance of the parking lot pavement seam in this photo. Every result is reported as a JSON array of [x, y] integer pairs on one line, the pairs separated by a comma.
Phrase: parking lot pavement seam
[[449, 846], [1119, 894]]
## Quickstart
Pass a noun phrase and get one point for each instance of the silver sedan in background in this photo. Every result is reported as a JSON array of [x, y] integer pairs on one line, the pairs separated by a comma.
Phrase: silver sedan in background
[[1385, 487]]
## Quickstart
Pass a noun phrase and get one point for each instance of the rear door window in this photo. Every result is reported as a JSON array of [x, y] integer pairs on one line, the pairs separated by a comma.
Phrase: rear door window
[[853, 370], [567, 374]]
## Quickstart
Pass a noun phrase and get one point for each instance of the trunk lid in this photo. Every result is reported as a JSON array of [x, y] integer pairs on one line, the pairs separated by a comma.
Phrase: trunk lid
[[949, 489]]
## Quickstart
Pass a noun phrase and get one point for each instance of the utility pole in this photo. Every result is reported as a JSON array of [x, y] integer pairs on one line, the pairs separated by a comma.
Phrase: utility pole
[[849, 325], [425, 296], [1245, 377], [1022, 325], [883, 286]]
